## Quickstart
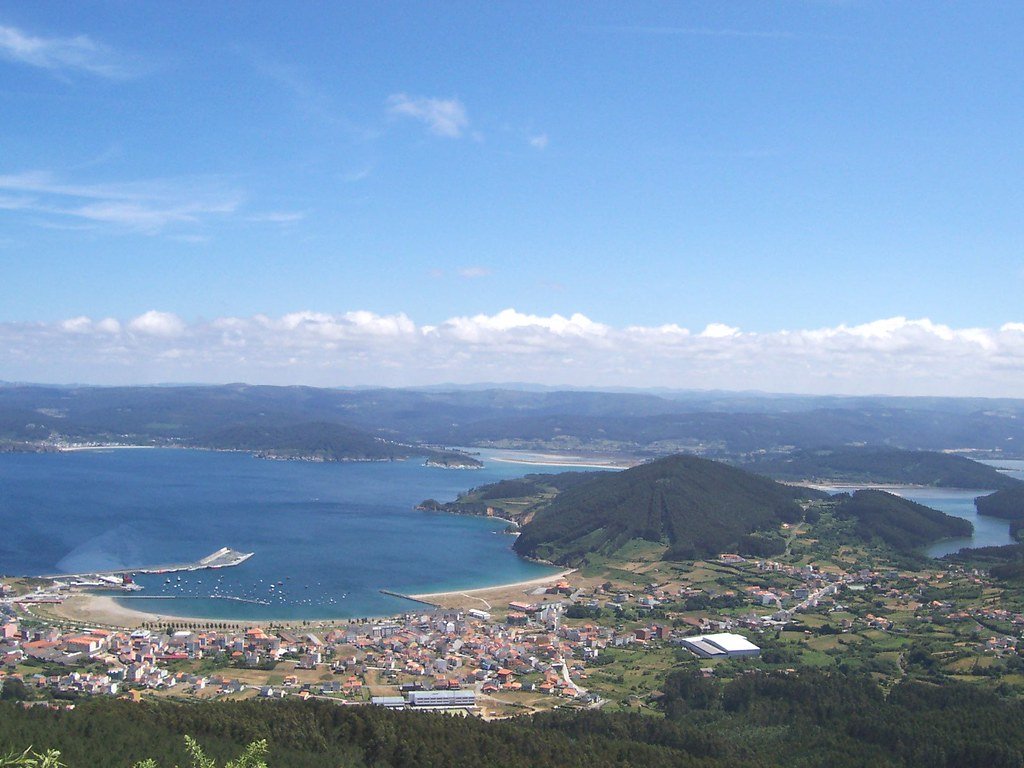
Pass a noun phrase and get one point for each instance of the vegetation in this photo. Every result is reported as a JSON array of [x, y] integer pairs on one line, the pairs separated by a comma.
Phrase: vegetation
[[902, 524], [765, 719], [693, 506], [714, 424], [885, 465], [323, 441], [1007, 504]]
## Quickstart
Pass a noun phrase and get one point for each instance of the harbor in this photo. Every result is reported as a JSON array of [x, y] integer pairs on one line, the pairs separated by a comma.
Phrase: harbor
[[222, 558]]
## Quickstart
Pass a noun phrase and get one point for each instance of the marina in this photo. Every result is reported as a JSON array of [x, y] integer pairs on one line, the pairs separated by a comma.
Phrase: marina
[[222, 558]]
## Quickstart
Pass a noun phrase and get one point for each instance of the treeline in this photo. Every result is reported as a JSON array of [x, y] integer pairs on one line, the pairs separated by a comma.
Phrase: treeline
[[325, 735], [830, 718], [902, 524], [884, 465], [809, 718], [1007, 504]]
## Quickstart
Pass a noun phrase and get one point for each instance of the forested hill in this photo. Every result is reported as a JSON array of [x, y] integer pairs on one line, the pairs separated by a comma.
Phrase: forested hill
[[900, 523], [884, 465], [694, 506], [1008, 504], [323, 441], [714, 424]]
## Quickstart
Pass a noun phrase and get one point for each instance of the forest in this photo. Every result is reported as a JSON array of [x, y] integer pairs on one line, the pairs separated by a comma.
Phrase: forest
[[697, 507], [857, 465], [806, 718]]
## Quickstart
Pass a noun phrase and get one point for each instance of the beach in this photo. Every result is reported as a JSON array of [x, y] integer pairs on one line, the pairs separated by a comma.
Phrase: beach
[[560, 460], [104, 610], [497, 596]]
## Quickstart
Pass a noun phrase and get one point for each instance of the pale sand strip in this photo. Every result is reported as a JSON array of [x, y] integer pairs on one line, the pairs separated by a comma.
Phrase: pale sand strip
[[497, 588], [84, 608], [74, 448], [560, 461], [101, 609]]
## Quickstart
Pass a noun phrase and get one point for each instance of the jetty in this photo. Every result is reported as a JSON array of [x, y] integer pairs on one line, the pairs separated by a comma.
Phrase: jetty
[[408, 597], [222, 558]]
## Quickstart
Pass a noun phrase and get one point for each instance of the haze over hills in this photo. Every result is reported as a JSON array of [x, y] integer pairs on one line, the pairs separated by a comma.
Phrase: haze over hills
[[643, 424]]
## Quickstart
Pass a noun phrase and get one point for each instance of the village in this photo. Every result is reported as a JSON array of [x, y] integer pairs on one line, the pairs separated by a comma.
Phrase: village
[[564, 644]]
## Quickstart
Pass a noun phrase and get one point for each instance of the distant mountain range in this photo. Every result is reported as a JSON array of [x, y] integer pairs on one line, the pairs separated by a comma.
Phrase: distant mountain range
[[713, 424]]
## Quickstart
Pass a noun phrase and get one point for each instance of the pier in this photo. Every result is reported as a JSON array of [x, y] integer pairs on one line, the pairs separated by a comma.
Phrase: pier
[[390, 593], [222, 558]]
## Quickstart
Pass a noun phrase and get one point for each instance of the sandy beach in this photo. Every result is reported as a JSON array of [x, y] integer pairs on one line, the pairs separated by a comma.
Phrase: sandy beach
[[490, 598], [74, 448], [105, 611], [499, 587], [557, 460], [84, 608]]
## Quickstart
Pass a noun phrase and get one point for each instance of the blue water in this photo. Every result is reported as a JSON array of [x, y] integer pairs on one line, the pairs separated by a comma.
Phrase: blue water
[[988, 531], [333, 535]]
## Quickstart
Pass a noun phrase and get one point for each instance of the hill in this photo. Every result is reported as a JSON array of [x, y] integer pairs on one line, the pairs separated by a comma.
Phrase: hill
[[692, 506], [884, 465], [323, 441], [900, 523], [1008, 503], [712, 424]]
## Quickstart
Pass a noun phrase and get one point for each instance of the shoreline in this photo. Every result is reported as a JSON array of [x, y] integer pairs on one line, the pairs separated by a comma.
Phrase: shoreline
[[76, 448], [502, 587], [547, 460], [86, 608]]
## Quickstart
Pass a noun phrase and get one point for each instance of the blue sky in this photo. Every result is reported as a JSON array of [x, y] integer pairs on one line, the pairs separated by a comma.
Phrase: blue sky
[[791, 166]]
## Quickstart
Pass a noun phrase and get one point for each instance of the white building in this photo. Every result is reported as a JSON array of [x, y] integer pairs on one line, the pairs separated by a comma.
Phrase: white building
[[723, 645]]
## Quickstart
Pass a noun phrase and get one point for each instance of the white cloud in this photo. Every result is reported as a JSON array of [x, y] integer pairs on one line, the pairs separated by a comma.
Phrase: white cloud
[[471, 273], [443, 117], [890, 356], [540, 141], [61, 53], [719, 331], [154, 323], [147, 206], [278, 217]]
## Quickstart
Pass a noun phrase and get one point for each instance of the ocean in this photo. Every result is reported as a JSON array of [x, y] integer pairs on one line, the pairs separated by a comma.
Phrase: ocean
[[326, 537]]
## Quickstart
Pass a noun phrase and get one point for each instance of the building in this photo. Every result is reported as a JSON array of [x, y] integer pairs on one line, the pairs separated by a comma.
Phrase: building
[[461, 698], [723, 645]]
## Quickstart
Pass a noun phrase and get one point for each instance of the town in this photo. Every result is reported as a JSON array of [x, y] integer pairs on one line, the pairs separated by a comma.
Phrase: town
[[572, 643]]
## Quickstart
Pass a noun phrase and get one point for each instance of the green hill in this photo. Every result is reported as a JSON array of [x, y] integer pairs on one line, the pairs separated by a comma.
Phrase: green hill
[[884, 465], [900, 523], [692, 506], [1008, 504], [323, 441]]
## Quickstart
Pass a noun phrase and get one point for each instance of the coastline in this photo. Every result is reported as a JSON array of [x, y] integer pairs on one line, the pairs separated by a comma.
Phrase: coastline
[[496, 588], [85, 608], [554, 460], [75, 448]]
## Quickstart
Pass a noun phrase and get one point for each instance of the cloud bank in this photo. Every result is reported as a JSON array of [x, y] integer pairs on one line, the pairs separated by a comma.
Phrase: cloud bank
[[890, 356]]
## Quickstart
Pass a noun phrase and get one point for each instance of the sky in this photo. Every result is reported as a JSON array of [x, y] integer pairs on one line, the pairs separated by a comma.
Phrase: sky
[[816, 196]]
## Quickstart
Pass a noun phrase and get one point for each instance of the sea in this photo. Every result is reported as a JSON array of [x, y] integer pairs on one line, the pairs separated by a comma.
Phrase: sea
[[326, 537]]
